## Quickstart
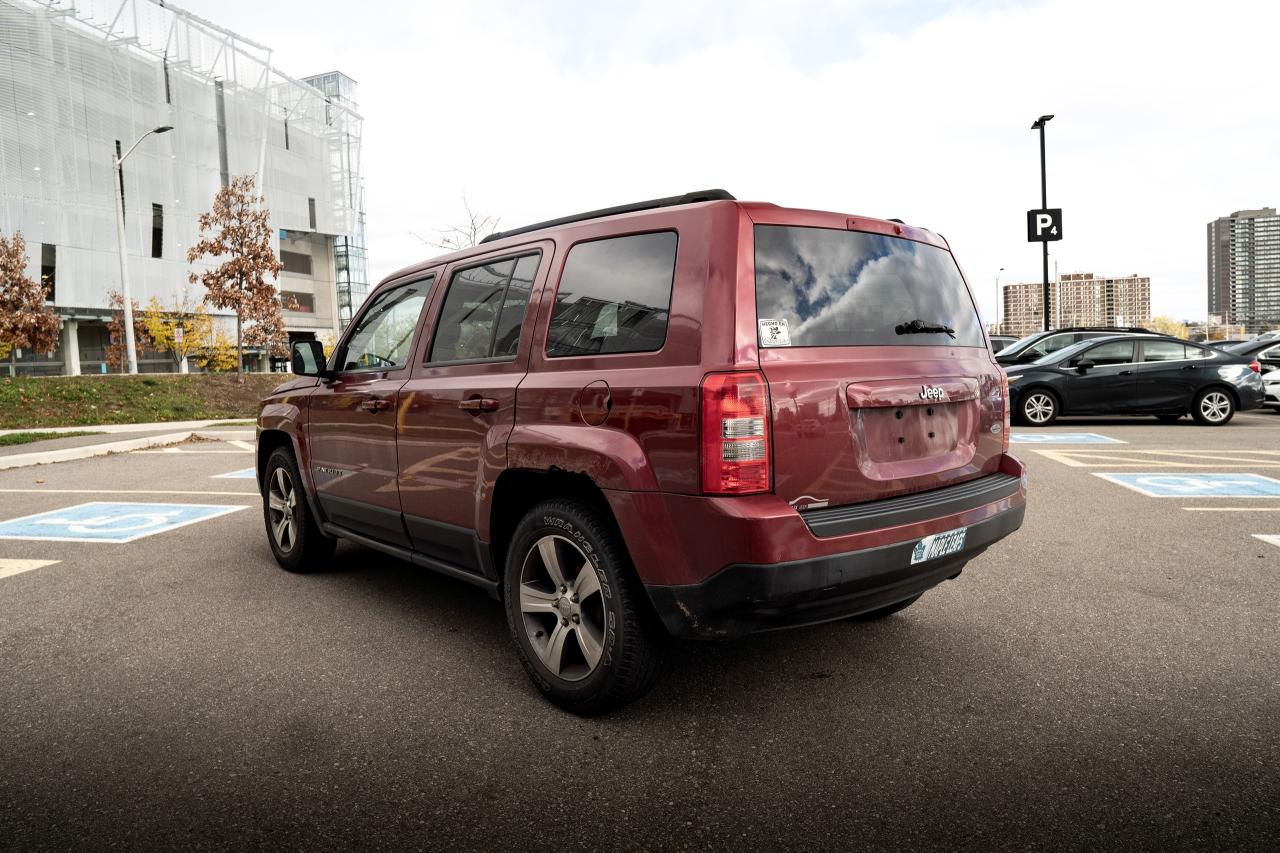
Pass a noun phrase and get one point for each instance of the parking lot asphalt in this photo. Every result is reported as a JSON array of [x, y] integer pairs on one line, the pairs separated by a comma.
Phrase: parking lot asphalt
[[1108, 677]]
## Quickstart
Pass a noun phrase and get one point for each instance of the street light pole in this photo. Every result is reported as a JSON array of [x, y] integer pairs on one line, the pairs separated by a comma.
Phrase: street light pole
[[997, 331], [1044, 203], [131, 353]]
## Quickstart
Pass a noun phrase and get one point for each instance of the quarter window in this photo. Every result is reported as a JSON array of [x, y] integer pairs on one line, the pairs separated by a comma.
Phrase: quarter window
[[384, 336], [484, 311], [614, 296]]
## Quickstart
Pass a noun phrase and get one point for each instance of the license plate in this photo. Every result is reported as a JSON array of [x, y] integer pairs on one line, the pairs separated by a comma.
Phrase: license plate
[[938, 545]]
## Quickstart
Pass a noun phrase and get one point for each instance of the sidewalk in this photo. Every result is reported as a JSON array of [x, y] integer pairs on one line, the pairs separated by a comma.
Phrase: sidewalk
[[114, 438], [170, 426]]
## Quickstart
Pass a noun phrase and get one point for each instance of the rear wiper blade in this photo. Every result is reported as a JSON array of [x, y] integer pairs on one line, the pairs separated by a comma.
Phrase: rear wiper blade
[[919, 327]]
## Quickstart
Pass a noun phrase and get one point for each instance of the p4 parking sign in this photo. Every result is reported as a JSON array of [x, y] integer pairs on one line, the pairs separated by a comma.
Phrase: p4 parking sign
[[1045, 225]]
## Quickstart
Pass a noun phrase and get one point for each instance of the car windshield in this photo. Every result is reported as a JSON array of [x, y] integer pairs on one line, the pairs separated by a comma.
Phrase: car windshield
[[1066, 352], [1020, 343]]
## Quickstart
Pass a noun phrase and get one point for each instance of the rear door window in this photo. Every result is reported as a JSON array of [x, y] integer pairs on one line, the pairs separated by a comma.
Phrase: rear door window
[[1114, 352], [614, 296], [484, 311], [821, 287], [1163, 351]]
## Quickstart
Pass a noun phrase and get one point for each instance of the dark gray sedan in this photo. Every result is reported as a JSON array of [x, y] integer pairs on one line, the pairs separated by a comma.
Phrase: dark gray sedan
[[1131, 375]]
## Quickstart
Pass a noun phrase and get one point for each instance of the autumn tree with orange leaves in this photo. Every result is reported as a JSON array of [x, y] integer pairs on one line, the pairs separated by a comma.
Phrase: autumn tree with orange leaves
[[25, 321], [238, 231]]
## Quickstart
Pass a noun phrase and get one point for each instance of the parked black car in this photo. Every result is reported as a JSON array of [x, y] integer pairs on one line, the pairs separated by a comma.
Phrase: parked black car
[[1135, 375], [1265, 352], [1040, 344]]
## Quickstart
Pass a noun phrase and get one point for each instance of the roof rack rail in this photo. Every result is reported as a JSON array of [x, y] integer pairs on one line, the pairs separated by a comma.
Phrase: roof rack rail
[[652, 204]]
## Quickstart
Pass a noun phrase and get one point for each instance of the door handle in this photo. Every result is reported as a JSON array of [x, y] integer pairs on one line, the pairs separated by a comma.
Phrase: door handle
[[478, 404], [1125, 373], [1188, 367], [375, 404]]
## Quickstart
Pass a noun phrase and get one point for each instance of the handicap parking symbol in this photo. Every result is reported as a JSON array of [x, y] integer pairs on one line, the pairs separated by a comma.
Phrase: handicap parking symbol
[[102, 521], [242, 474], [1062, 438], [1198, 485]]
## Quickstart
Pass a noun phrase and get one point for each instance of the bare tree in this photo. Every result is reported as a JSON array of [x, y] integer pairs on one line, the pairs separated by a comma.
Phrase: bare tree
[[238, 228], [476, 227], [25, 321]]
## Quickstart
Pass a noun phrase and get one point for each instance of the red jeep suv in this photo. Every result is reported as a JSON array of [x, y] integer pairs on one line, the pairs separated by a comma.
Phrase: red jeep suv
[[688, 417]]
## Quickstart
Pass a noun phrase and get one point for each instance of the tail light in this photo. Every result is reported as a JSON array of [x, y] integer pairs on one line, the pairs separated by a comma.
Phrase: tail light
[[1255, 367], [735, 434], [1004, 404]]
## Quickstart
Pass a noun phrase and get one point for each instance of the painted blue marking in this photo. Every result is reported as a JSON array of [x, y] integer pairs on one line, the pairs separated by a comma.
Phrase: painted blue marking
[[1062, 438], [1198, 485], [103, 521], [242, 474]]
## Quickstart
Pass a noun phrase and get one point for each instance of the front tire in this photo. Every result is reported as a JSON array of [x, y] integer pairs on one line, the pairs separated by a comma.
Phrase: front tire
[[295, 536], [1038, 407], [1213, 407], [576, 611]]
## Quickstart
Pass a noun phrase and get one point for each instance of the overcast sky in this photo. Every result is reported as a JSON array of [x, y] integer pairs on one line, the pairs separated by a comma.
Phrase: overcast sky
[[1167, 116]]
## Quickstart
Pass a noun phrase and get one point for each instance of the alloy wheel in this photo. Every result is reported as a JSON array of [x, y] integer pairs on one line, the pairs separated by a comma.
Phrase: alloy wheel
[[1039, 408], [562, 608], [282, 501], [1215, 406]]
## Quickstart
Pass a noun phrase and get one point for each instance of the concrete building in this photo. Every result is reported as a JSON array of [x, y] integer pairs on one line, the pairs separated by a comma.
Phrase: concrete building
[[1077, 299], [1244, 269], [84, 79]]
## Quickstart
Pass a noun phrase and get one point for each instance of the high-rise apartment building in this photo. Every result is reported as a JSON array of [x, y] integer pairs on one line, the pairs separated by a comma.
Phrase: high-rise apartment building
[[1244, 269], [82, 81], [1077, 299]]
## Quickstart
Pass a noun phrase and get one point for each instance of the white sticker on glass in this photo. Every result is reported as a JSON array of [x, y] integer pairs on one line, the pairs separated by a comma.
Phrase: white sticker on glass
[[773, 333]]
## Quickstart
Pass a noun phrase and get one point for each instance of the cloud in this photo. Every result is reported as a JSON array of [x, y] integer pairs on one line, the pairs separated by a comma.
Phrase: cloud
[[1165, 120]]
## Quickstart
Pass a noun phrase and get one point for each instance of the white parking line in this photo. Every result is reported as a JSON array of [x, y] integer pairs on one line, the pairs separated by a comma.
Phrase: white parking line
[[209, 492], [17, 567], [1232, 508], [1274, 540]]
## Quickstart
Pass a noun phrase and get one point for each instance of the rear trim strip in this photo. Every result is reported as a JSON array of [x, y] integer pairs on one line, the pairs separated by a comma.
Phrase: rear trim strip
[[859, 518]]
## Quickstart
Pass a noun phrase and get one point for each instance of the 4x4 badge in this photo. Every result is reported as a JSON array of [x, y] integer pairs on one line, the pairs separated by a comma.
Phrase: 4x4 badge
[[932, 392]]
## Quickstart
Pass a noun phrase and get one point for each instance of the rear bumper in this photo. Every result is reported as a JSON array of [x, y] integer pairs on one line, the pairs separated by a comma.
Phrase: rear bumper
[[745, 599], [718, 567]]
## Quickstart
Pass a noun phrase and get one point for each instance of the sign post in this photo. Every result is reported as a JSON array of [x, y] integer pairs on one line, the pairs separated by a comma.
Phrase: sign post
[[1045, 224]]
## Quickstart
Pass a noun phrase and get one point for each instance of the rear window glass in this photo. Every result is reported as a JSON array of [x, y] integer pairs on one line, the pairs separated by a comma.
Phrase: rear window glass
[[819, 287], [614, 296]]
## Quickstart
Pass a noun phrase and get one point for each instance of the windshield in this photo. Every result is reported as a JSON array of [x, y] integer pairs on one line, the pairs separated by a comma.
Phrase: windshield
[[1021, 343], [820, 287], [1065, 352]]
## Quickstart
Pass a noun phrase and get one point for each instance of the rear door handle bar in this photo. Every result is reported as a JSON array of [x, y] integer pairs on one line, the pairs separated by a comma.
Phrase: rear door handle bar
[[478, 404], [375, 405]]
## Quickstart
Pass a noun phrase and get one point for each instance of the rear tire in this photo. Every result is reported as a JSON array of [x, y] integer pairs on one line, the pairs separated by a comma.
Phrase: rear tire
[[577, 613], [1038, 407], [1213, 407], [873, 615], [296, 540]]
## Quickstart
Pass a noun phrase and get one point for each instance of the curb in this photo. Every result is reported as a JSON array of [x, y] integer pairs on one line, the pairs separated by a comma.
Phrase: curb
[[69, 454]]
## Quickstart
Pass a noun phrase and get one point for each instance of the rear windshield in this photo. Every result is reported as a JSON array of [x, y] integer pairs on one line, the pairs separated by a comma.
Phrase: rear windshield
[[819, 287]]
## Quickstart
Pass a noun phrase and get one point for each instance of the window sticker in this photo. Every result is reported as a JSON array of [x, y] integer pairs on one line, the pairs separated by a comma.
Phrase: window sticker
[[773, 333]]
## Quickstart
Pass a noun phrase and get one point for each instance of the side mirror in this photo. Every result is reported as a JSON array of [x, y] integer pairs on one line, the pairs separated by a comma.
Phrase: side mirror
[[1085, 366], [308, 359]]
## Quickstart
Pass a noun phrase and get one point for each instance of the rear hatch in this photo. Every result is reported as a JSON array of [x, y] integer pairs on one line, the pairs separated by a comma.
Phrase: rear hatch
[[879, 375]]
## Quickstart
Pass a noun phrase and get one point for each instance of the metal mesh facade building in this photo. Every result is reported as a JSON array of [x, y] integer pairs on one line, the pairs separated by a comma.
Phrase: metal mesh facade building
[[1244, 269], [78, 78]]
